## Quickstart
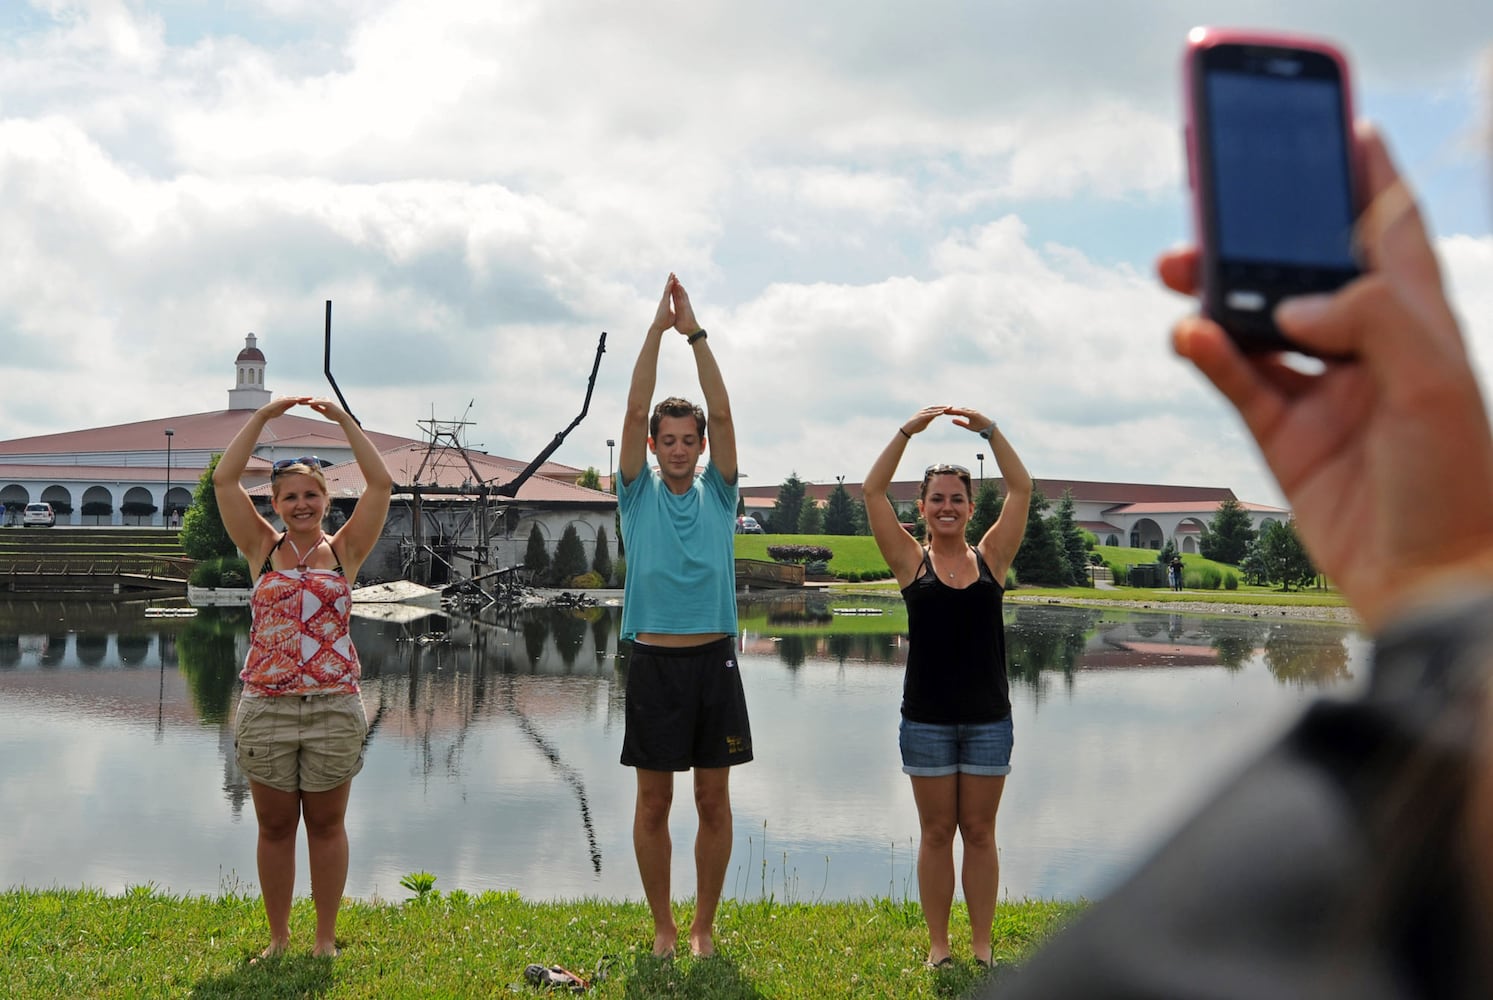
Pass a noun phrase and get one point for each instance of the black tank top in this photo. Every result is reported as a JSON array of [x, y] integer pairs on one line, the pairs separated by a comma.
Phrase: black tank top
[[956, 658]]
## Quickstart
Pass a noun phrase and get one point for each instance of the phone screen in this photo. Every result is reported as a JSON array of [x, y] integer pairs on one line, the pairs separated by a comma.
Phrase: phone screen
[[1280, 169], [1274, 181]]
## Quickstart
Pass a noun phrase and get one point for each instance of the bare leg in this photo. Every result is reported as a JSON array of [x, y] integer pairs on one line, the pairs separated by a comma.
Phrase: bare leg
[[651, 843], [278, 813], [712, 853], [326, 841], [979, 798], [937, 802]]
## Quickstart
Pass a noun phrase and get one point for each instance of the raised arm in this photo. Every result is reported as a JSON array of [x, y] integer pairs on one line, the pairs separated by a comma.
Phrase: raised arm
[[720, 431], [1003, 538], [357, 537], [633, 455], [901, 551], [249, 530]]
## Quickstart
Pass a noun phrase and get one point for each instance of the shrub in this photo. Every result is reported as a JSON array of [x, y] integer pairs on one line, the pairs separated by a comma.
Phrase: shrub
[[619, 571], [1231, 581], [853, 577], [206, 573], [1202, 578], [570, 555], [800, 553], [536, 556], [601, 562], [230, 572], [590, 580], [817, 567]]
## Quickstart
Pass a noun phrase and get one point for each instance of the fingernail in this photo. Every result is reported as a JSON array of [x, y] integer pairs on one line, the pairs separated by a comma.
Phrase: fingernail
[[1302, 309]]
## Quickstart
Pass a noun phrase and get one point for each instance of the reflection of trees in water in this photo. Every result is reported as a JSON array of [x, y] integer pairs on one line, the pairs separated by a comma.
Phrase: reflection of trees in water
[[536, 630], [10, 650], [872, 647], [793, 650], [1305, 656], [570, 635], [801, 611], [206, 655], [601, 631], [1041, 639], [1236, 642]]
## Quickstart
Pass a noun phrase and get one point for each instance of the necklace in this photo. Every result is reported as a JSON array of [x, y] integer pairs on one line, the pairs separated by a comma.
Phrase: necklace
[[301, 559]]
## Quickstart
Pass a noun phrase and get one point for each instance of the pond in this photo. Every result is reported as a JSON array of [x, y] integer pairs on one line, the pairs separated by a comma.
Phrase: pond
[[493, 755]]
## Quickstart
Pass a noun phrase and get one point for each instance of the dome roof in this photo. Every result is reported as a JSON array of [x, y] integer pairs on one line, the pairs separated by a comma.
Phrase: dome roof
[[250, 354]]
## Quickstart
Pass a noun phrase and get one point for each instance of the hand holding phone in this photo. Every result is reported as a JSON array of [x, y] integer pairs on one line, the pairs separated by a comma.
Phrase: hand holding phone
[[1271, 165]]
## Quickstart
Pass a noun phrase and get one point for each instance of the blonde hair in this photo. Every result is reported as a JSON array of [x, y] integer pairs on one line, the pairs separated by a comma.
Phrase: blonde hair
[[297, 468]]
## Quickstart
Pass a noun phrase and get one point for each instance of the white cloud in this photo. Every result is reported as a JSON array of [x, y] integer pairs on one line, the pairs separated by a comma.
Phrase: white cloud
[[863, 201]]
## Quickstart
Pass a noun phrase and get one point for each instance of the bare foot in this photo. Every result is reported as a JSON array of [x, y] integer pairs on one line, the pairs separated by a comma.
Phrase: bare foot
[[275, 950], [664, 941], [325, 950], [701, 944]]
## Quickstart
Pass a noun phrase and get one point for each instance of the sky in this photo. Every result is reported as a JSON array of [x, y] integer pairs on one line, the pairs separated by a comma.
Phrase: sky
[[875, 206]]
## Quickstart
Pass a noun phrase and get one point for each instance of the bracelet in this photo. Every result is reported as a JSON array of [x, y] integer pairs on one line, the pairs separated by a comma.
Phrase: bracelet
[[988, 431], [904, 433], [697, 335]]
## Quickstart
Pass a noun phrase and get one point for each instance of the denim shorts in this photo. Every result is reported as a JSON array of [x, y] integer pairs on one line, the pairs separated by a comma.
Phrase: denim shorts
[[932, 750]]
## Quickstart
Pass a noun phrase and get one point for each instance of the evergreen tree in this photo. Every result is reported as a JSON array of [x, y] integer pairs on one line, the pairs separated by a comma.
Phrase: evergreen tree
[[1071, 538], [202, 533], [810, 518], [790, 504], [1285, 557], [988, 504], [601, 562], [1227, 536], [862, 521], [570, 555], [536, 557], [1040, 560], [590, 479], [839, 511]]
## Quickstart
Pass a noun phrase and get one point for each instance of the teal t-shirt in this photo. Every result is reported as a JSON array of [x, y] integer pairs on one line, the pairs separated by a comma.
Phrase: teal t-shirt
[[681, 555]]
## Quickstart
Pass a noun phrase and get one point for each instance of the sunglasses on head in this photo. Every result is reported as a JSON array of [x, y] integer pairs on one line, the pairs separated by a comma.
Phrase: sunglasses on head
[[946, 470], [309, 461]]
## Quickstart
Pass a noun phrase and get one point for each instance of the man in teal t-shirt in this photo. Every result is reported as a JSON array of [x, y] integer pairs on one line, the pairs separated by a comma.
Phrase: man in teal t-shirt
[[685, 706]]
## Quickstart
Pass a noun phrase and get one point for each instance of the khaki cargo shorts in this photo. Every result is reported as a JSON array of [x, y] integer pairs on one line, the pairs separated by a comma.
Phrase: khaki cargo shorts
[[306, 743]]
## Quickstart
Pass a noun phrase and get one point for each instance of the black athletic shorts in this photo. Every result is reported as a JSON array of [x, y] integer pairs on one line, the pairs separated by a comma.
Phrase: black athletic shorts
[[685, 708]]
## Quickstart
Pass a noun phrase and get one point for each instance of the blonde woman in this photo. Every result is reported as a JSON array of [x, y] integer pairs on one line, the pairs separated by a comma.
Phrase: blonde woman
[[300, 725]]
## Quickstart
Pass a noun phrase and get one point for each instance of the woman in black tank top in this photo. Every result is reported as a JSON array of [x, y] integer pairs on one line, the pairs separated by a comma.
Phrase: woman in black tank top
[[956, 707]]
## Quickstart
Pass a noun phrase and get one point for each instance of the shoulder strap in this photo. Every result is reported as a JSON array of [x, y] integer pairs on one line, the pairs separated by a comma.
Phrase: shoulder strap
[[270, 554]]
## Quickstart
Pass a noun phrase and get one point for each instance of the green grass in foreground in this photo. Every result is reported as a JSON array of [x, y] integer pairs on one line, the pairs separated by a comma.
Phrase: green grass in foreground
[[82, 943]]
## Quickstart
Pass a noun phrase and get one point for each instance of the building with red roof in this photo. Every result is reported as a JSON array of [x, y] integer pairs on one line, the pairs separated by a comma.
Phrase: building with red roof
[[1138, 515], [140, 472]]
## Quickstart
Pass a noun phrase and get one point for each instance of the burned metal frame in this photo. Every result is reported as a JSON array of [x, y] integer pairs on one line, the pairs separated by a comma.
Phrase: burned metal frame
[[482, 490]]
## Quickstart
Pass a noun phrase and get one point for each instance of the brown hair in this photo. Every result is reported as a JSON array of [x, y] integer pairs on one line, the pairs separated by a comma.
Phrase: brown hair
[[676, 407], [945, 470]]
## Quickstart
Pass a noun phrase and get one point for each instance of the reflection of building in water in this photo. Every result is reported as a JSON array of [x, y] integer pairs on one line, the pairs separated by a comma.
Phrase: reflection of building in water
[[425, 683]]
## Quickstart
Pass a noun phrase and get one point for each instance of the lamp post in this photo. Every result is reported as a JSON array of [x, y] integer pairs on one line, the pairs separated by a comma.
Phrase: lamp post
[[980, 457], [166, 500], [611, 486]]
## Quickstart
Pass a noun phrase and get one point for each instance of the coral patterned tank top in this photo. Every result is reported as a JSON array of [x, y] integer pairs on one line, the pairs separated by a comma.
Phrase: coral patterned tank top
[[299, 642]]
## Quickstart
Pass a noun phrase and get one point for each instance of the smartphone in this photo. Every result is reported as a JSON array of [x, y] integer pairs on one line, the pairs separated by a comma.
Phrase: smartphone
[[1273, 172]]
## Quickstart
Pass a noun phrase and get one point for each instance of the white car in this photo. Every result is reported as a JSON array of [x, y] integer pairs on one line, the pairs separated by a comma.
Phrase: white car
[[38, 513]]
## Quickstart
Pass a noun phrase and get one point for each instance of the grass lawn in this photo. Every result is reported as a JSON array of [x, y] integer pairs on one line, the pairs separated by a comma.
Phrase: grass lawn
[[80, 943], [858, 553], [853, 553]]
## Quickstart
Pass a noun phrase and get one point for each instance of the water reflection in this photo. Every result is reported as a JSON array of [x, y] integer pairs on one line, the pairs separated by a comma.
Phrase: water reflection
[[492, 754]]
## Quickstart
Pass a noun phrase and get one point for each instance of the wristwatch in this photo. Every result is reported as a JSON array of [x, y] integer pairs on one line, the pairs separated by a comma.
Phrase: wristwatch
[[988, 431]]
